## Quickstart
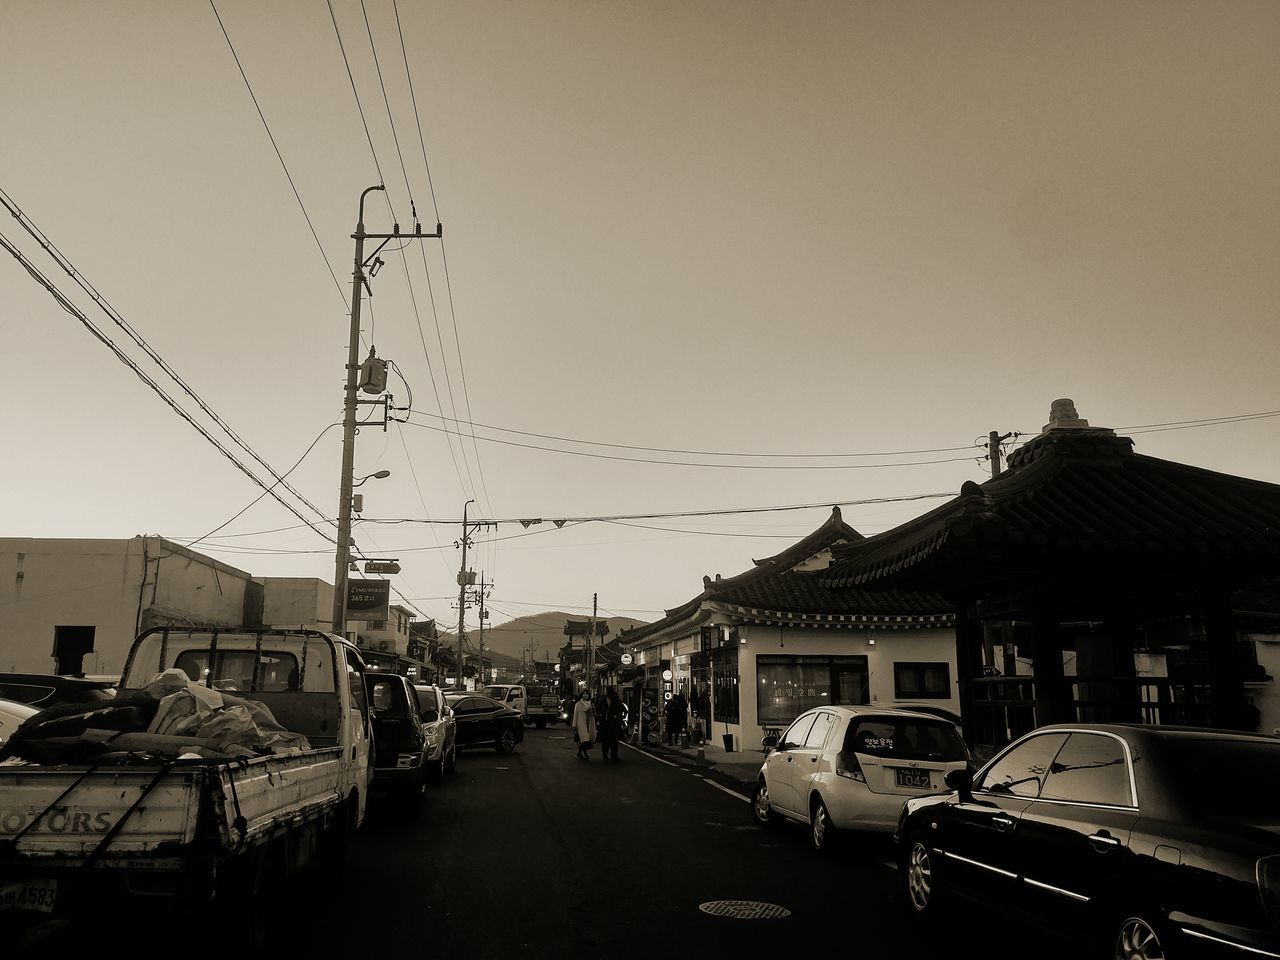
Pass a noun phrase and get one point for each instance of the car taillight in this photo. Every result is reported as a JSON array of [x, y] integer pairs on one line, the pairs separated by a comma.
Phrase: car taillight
[[847, 766], [1269, 886]]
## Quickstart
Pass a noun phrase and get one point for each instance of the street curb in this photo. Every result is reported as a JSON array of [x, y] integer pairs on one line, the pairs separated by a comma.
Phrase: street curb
[[707, 768]]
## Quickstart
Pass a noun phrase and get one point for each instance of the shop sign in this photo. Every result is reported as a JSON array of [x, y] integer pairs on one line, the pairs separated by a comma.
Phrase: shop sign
[[368, 599]]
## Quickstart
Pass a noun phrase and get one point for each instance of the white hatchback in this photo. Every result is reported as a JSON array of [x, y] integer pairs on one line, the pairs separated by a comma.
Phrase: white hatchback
[[851, 768]]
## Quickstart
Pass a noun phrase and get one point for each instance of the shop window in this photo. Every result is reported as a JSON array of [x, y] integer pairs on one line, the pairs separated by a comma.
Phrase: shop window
[[788, 686], [922, 681], [724, 681]]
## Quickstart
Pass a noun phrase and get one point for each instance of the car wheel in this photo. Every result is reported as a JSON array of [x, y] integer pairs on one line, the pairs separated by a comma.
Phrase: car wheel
[[920, 879], [413, 796], [1138, 938], [451, 762], [506, 741], [435, 772], [761, 808], [822, 834]]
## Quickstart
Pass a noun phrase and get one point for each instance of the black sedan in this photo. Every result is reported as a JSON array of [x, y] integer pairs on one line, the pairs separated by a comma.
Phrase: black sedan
[[1142, 842], [483, 721]]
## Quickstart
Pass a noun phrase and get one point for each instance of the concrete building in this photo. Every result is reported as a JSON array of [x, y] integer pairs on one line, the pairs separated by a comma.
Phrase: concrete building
[[74, 606]]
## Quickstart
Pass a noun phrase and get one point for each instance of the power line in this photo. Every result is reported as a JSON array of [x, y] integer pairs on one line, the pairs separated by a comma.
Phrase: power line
[[417, 118], [707, 453], [297, 196], [355, 92], [128, 361], [391, 119], [694, 463], [252, 502], [118, 319]]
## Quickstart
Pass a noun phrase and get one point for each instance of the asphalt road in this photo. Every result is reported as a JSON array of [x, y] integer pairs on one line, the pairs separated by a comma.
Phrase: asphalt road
[[542, 855]]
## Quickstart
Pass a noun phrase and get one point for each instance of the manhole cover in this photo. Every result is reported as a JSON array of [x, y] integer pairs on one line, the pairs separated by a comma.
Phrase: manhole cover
[[744, 910]]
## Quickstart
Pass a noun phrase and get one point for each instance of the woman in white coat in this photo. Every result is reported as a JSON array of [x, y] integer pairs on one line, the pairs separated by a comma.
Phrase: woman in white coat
[[584, 725]]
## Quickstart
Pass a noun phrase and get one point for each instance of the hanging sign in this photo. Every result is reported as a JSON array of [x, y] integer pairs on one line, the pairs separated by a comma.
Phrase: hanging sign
[[627, 659], [368, 599]]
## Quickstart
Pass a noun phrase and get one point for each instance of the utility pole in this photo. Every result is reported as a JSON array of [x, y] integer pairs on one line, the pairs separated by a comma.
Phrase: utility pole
[[994, 440], [484, 615], [359, 282], [589, 653], [462, 591]]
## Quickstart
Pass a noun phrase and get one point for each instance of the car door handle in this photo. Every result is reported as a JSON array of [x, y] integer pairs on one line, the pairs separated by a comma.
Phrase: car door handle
[[1103, 842], [1003, 824]]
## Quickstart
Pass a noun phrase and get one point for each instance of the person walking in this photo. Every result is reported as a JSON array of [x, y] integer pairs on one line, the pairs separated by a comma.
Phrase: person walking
[[611, 726], [584, 725], [677, 718]]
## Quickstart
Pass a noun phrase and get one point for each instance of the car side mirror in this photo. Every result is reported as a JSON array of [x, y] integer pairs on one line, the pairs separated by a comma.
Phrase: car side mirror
[[430, 715], [961, 781], [771, 741]]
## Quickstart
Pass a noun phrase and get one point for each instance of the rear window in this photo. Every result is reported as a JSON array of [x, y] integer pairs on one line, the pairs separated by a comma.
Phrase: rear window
[[427, 698], [905, 738], [388, 695], [1232, 778], [234, 670]]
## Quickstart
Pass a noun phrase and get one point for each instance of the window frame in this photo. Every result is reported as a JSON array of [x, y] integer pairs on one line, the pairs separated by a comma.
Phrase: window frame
[[1128, 759], [921, 693]]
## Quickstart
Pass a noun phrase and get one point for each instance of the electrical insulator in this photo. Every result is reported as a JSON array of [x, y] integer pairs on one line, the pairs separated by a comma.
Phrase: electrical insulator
[[373, 374]]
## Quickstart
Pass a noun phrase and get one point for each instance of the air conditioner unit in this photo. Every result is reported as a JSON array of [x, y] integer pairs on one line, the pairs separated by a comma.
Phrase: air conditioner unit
[[384, 645]]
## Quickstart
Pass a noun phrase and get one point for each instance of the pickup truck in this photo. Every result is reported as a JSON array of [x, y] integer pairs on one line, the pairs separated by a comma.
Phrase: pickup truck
[[539, 705], [187, 832]]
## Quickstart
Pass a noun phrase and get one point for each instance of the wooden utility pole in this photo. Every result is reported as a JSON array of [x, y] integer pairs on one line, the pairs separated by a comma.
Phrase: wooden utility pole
[[994, 439], [342, 556]]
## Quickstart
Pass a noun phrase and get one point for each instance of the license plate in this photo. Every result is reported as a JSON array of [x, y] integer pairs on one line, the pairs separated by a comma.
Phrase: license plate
[[911, 778], [31, 895]]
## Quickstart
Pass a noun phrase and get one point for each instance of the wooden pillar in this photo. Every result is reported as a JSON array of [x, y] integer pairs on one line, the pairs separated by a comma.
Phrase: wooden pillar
[[1053, 696], [1226, 679]]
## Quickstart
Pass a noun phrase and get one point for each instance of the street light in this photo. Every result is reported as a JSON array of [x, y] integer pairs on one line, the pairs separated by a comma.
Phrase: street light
[[380, 475]]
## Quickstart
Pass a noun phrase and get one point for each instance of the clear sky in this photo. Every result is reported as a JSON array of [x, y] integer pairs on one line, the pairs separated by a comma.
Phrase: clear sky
[[767, 228]]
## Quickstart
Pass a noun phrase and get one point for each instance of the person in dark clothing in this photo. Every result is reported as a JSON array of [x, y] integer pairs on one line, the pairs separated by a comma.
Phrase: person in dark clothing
[[611, 725], [677, 719]]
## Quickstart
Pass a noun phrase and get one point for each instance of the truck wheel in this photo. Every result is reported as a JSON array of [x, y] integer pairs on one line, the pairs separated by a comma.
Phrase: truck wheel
[[506, 741]]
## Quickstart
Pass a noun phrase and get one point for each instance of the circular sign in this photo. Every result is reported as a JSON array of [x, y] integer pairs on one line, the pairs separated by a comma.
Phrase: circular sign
[[557, 668], [666, 674], [626, 659]]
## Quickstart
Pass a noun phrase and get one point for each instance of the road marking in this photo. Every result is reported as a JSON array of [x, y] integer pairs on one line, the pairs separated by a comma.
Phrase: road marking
[[732, 793], [698, 775], [502, 768], [651, 756]]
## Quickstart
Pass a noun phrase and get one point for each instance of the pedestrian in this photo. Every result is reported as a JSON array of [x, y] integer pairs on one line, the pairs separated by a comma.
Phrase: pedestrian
[[677, 719], [611, 726], [584, 726]]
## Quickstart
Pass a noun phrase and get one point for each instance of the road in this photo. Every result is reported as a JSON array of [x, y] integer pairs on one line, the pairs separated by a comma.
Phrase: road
[[543, 855]]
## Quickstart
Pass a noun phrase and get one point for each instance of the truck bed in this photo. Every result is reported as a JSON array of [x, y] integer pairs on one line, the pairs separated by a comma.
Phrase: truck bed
[[269, 793]]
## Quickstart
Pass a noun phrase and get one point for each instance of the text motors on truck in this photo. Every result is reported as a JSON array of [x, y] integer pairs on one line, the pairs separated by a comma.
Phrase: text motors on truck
[[539, 704], [81, 837]]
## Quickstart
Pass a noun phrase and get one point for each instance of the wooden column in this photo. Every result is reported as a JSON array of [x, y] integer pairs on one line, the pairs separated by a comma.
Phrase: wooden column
[[1053, 696], [1226, 679]]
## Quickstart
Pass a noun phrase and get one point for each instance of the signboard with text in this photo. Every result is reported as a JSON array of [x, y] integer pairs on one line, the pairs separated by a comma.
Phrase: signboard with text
[[368, 599]]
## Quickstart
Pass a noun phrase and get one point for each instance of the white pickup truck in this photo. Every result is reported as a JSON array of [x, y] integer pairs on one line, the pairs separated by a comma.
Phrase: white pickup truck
[[79, 839], [539, 705]]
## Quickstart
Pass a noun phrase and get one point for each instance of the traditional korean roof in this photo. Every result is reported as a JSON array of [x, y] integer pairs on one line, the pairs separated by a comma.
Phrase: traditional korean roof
[[1077, 500], [788, 588]]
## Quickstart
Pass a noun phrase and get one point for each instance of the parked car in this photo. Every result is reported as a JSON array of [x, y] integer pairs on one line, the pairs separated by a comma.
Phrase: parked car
[[44, 690], [538, 704], [1140, 842], [400, 749], [12, 716], [850, 768], [441, 731], [483, 721]]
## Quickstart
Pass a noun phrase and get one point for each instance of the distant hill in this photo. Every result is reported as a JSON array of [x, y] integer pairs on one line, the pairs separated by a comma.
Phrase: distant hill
[[544, 632]]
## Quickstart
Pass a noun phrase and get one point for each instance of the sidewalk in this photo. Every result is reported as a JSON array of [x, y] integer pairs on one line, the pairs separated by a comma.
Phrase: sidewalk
[[738, 769]]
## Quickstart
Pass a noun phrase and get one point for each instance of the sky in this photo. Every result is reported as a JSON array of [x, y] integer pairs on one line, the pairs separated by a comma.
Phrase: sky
[[781, 235]]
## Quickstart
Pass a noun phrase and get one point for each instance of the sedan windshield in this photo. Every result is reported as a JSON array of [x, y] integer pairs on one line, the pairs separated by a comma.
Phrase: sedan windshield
[[905, 738], [1214, 771]]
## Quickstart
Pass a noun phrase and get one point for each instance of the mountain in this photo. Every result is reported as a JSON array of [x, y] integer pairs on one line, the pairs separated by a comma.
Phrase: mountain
[[543, 632]]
